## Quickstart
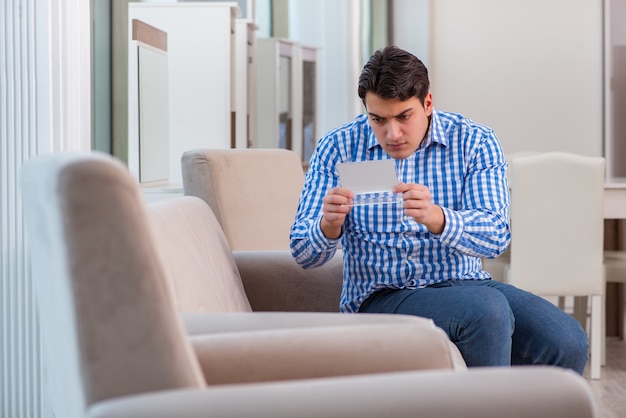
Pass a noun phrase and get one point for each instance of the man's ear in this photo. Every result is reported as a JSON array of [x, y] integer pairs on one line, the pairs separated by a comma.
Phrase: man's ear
[[428, 104]]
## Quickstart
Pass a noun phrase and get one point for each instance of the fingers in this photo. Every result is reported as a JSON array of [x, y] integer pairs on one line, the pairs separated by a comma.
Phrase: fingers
[[335, 207], [417, 201], [338, 196]]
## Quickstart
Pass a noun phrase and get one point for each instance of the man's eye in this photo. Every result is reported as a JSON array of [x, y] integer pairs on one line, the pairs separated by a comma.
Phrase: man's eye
[[377, 120], [404, 117]]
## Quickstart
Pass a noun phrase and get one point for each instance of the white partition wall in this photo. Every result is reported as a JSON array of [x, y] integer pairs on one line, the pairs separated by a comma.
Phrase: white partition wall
[[201, 44], [530, 69]]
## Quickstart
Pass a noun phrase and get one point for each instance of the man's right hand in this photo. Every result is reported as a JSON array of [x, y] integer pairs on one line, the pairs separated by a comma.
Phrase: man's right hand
[[335, 207]]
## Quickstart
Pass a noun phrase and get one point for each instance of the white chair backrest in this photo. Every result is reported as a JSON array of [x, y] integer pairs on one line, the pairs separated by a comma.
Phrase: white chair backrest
[[557, 223]]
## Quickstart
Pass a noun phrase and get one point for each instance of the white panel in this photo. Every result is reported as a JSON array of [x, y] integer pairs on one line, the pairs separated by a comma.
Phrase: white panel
[[530, 69], [200, 38], [153, 116]]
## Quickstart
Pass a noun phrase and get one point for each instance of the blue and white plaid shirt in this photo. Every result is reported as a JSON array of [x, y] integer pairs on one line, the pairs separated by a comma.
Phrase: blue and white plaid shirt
[[463, 166]]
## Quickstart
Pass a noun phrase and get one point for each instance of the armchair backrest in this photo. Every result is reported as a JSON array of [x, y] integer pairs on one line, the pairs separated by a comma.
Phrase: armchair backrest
[[557, 223], [98, 280], [234, 181]]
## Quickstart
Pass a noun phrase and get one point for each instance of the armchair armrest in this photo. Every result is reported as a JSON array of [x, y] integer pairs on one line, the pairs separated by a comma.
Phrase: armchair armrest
[[312, 352], [218, 322], [223, 322], [517, 392], [273, 281]]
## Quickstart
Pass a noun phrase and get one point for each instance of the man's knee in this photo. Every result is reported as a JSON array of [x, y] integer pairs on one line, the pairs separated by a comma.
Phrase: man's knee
[[489, 315], [493, 308]]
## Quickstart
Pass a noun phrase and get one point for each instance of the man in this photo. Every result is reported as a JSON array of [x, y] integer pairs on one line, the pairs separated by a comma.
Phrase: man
[[422, 256]]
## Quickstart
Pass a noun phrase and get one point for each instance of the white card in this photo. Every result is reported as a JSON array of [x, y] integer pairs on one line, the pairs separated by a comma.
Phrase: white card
[[370, 181]]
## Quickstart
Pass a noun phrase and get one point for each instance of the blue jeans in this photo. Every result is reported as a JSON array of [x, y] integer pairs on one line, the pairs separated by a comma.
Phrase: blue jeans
[[492, 323]]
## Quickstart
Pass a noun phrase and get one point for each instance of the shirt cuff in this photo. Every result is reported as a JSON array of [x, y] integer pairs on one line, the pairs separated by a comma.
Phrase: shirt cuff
[[453, 229], [319, 241]]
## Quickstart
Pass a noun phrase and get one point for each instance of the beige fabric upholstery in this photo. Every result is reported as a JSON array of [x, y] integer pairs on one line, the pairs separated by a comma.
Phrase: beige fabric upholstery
[[105, 312], [253, 192], [482, 393], [195, 255], [313, 352], [115, 346]]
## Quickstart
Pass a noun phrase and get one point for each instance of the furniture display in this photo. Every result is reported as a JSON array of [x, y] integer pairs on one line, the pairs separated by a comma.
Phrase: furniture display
[[114, 344], [201, 68], [275, 93], [244, 105], [233, 182], [305, 107]]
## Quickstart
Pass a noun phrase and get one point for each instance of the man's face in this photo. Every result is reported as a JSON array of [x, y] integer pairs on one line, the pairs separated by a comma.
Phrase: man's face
[[399, 126]]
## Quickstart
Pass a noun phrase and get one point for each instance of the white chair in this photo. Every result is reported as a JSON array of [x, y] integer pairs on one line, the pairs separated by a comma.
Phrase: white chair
[[557, 232]]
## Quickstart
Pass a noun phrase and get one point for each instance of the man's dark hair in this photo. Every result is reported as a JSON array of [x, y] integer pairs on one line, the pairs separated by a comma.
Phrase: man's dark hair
[[394, 73]]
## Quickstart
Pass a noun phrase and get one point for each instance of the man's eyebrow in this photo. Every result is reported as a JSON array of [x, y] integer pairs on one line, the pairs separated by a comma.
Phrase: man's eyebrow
[[394, 116]]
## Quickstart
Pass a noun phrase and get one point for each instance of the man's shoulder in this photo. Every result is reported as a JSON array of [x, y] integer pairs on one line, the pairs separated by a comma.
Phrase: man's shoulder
[[452, 121]]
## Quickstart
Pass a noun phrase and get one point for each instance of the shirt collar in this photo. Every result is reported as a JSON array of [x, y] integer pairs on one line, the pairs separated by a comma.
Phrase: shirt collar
[[436, 132]]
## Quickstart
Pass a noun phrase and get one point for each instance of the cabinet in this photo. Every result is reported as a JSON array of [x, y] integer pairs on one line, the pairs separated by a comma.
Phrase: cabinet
[[201, 58], [274, 93], [306, 68], [243, 116], [287, 98]]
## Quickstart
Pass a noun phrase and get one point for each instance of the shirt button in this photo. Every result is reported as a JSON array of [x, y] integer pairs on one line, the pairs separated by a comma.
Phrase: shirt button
[[409, 258], [412, 282]]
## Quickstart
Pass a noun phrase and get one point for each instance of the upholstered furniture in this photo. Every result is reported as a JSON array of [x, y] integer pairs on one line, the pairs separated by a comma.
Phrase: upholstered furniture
[[253, 192], [110, 274]]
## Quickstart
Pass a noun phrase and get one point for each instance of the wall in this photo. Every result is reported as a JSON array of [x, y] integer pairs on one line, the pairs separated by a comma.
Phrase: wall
[[531, 69], [616, 89]]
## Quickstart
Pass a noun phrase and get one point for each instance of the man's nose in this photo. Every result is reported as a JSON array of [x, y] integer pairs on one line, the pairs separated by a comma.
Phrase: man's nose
[[393, 130]]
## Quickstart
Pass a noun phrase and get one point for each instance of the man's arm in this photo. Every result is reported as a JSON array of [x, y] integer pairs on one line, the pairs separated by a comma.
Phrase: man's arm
[[481, 226]]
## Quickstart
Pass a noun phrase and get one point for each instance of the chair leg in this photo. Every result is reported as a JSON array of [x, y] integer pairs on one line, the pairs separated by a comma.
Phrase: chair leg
[[581, 306], [603, 332], [595, 337]]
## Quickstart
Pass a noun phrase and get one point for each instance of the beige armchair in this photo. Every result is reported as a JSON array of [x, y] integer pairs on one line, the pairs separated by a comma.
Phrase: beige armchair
[[252, 192], [108, 293], [254, 195]]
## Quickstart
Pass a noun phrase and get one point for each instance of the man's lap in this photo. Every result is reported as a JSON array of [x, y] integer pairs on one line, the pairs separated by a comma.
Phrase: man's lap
[[535, 323]]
